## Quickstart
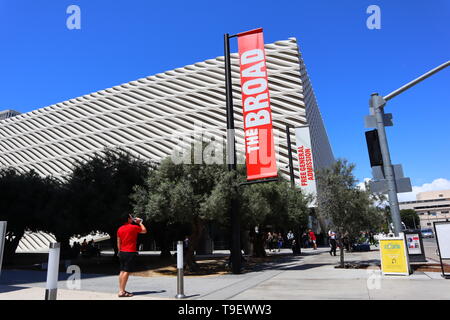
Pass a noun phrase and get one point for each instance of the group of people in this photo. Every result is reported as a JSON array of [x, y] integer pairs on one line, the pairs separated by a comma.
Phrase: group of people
[[275, 241], [87, 249], [309, 239]]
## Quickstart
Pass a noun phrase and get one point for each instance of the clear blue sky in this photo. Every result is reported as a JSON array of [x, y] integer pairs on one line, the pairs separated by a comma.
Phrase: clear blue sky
[[42, 62]]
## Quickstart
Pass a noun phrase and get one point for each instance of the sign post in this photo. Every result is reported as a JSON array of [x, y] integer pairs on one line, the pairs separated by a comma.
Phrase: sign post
[[257, 117], [442, 232], [394, 256]]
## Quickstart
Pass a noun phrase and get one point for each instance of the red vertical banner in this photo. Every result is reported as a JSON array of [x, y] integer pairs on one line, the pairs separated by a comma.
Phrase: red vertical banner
[[257, 115]]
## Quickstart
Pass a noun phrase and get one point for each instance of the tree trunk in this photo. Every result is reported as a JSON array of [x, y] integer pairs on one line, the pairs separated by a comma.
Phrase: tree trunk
[[197, 230], [165, 245], [11, 243], [65, 250], [298, 246], [113, 239], [341, 252], [258, 245]]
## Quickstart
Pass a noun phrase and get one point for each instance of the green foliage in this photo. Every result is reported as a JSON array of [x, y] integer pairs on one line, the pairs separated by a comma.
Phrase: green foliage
[[181, 192], [97, 190], [94, 197], [23, 201], [349, 208], [410, 218]]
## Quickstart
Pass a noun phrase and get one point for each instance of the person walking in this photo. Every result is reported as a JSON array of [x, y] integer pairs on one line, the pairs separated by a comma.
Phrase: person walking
[[280, 242], [275, 241], [290, 237], [269, 241], [333, 244], [312, 238], [305, 240], [126, 244]]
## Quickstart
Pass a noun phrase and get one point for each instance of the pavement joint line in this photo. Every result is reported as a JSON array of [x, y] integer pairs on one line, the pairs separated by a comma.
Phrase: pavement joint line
[[234, 284], [248, 280], [255, 285]]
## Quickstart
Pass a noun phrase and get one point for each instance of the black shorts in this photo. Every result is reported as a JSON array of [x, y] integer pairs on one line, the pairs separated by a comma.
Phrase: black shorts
[[127, 261]]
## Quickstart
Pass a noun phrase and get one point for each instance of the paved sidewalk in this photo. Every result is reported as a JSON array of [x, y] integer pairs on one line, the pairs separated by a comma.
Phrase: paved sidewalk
[[309, 276]]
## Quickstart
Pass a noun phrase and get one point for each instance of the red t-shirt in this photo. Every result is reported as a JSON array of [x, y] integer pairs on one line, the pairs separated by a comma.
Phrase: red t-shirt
[[312, 235], [128, 234]]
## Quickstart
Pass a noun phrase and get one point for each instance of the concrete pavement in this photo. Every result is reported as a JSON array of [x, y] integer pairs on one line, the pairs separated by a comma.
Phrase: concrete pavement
[[309, 276]]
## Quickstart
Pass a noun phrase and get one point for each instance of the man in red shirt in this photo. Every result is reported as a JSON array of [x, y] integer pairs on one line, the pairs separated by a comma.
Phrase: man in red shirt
[[126, 245], [312, 238]]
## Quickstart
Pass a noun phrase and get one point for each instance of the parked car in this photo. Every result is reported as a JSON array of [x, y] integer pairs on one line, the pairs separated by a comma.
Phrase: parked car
[[427, 233]]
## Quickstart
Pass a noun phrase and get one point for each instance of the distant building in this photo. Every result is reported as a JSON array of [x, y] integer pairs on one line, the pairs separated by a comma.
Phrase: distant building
[[431, 206], [8, 114]]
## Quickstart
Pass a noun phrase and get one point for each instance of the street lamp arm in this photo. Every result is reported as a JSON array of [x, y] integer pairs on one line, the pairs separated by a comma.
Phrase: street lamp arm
[[416, 81]]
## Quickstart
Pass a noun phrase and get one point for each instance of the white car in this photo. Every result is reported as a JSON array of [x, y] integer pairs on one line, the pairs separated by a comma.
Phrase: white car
[[427, 233]]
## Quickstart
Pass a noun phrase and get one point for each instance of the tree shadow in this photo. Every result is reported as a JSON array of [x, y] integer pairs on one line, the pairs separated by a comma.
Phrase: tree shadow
[[17, 277], [303, 266], [7, 288]]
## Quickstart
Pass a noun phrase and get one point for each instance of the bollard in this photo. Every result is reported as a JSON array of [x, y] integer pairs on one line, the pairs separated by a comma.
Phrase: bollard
[[52, 271], [180, 273], [2, 241]]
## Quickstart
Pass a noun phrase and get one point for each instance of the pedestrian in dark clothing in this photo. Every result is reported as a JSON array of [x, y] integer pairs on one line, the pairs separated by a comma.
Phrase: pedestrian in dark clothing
[[305, 240], [333, 243]]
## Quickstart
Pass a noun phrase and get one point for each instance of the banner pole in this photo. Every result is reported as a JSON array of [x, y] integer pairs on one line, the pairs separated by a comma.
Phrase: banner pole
[[231, 160], [291, 165]]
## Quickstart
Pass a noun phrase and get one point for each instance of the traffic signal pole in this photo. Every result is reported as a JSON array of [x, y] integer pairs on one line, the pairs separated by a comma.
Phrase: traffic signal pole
[[377, 104]]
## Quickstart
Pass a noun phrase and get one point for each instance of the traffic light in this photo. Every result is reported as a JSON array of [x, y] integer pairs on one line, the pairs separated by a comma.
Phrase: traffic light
[[373, 146]]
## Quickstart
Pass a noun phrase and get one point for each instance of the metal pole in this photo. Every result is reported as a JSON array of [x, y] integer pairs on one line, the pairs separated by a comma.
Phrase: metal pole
[[180, 271], [3, 225], [52, 271], [231, 148], [231, 159], [377, 103], [416, 81], [291, 166]]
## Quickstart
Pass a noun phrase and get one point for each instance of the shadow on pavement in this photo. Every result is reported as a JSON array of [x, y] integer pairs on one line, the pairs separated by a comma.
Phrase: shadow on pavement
[[5, 289], [141, 293], [304, 266], [17, 277]]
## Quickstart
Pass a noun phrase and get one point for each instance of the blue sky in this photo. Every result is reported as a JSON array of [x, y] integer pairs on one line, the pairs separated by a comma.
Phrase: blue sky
[[42, 62]]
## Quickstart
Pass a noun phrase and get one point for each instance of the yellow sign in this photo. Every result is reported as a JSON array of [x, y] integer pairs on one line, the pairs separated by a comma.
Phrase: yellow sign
[[394, 259]]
